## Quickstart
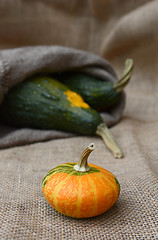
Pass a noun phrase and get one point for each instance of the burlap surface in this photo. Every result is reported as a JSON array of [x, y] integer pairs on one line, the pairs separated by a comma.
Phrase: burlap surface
[[116, 30]]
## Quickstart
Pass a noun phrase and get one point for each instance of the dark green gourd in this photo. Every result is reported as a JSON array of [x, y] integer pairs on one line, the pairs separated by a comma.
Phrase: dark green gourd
[[45, 103], [97, 93]]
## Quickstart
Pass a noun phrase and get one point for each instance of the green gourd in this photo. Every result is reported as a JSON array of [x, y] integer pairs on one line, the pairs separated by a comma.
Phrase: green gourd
[[45, 103], [99, 94]]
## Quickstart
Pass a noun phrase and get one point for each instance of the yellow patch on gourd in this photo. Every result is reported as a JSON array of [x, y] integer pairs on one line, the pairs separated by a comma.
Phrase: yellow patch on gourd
[[75, 99]]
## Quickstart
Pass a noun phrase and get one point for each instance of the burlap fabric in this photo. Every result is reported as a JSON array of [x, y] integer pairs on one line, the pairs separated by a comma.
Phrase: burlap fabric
[[19, 63], [116, 30]]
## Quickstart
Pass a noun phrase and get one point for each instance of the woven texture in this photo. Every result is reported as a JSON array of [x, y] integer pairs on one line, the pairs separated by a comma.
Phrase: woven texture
[[27, 215], [115, 30]]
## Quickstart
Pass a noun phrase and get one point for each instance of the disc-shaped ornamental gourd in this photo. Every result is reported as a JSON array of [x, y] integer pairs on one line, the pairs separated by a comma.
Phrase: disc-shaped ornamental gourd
[[81, 190]]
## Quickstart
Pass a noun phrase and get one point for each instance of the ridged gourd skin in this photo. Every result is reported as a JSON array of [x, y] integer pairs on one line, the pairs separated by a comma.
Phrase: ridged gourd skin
[[99, 94], [80, 194], [42, 102]]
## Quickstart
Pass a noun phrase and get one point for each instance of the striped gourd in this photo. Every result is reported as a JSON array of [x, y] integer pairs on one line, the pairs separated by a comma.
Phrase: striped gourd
[[81, 190]]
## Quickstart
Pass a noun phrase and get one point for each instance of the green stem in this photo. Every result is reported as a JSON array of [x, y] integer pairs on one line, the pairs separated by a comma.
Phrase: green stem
[[125, 77], [106, 135], [82, 165]]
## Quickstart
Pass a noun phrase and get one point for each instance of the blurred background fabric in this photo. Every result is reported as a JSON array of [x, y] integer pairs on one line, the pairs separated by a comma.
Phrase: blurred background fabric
[[115, 30]]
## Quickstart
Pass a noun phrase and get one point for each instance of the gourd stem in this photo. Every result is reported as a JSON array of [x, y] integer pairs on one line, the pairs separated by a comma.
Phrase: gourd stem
[[125, 77], [106, 135], [82, 165]]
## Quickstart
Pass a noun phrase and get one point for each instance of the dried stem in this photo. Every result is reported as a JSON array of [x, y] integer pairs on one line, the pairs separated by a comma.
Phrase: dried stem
[[125, 77], [106, 135], [82, 165]]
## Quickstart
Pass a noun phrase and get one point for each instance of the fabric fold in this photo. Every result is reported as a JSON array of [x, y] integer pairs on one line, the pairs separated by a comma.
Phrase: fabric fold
[[19, 63]]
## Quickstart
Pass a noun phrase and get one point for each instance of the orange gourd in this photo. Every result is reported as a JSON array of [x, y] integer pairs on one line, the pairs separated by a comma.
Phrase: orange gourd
[[81, 190]]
